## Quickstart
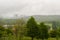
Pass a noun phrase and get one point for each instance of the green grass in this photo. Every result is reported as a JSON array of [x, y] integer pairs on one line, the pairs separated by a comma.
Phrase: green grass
[[24, 38]]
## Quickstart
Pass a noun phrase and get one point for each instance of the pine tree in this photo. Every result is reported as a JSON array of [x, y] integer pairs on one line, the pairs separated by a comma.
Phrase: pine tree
[[32, 28]]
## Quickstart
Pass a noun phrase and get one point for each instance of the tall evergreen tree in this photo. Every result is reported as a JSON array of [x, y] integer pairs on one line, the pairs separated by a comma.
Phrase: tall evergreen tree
[[32, 28]]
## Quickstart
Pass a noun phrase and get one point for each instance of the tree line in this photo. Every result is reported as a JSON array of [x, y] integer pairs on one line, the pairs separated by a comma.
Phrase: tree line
[[30, 29]]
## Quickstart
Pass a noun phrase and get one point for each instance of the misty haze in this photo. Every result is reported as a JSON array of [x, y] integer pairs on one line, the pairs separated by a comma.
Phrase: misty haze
[[29, 19]]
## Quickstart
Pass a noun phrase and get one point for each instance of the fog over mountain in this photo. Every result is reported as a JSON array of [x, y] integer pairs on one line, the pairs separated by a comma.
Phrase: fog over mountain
[[47, 17]]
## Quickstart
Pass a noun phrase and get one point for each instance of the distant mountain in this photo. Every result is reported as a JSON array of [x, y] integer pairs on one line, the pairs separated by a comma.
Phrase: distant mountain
[[38, 18], [43, 18], [47, 17]]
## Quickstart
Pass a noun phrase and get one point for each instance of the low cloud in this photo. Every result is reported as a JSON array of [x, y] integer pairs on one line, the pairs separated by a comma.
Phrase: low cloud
[[29, 7]]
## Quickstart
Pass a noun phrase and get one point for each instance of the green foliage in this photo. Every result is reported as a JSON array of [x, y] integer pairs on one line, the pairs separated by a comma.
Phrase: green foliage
[[19, 28], [1, 31], [32, 28], [53, 33], [9, 32], [43, 31], [4, 32]]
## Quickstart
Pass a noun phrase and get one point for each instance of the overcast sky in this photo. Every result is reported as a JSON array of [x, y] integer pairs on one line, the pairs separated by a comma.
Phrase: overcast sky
[[8, 8]]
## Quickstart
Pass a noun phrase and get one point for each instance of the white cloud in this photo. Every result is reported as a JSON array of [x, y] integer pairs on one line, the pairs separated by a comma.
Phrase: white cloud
[[29, 7]]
